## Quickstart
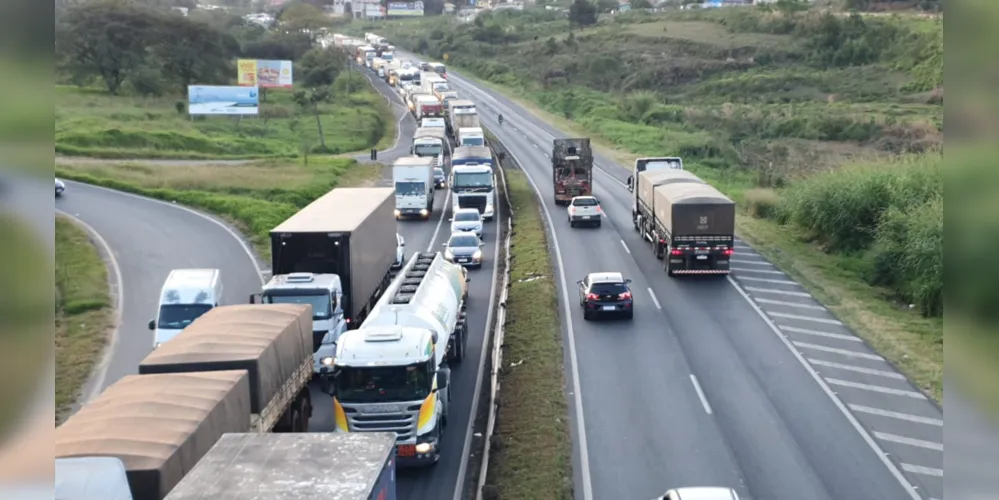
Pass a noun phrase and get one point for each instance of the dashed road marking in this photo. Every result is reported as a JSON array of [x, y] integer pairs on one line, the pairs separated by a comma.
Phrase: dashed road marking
[[654, 299], [767, 280], [625, 245], [919, 443], [858, 369], [761, 271], [751, 262], [780, 292], [790, 304], [896, 415], [817, 333], [833, 350], [919, 469], [700, 394], [875, 388], [805, 318]]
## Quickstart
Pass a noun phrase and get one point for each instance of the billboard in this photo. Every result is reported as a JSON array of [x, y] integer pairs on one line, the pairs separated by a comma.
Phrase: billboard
[[265, 74], [405, 9], [219, 100]]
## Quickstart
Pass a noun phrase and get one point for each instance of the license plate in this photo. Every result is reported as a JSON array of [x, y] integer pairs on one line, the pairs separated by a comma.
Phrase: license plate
[[406, 450], [702, 257], [609, 308], [586, 216], [464, 260]]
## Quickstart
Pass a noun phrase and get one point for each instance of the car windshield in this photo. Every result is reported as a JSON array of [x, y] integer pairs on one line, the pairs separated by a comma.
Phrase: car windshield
[[427, 149], [439, 172], [410, 188], [178, 316], [383, 383], [320, 303], [608, 288], [466, 216], [463, 241], [584, 202]]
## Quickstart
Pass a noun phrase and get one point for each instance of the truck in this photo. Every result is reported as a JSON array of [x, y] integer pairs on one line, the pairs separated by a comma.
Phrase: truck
[[91, 477], [472, 182], [432, 82], [431, 142], [643, 205], [413, 178], [471, 136], [157, 426], [445, 97], [427, 105], [412, 98], [653, 163], [572, 169], [315, 466], [272, 343], [692, 228], [335, 254], [392, 374], [460, 107]]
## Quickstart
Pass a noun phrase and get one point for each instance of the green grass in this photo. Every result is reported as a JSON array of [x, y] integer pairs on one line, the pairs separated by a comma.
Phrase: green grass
[[84, 313], [90, 122], [255, 197], [534, 457]]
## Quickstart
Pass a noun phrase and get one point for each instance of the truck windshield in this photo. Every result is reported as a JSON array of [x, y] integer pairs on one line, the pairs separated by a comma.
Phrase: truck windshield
[[178, 316], [384, 383], [674, 164], [478, 179], [427, 149], [472, 141], [321, 304], [410, 189]]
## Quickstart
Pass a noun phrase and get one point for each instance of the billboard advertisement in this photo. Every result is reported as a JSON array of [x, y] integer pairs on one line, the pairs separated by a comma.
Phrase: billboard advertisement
[[403, 9], [219, 100], [265, 74]]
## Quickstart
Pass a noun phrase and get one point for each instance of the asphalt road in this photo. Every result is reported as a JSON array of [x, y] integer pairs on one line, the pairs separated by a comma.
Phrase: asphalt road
[[714, 383]]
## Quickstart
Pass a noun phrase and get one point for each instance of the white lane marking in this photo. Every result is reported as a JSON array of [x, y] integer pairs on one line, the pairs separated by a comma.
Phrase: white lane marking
[[235, 236], [858, 369], [876, 388], [805, 318], [101, 373], [790, 304], [822, 383], [625, 245], [919, 443], [896, 415], [771, 290], [700, 394], [768, 280], [833, 350], [817, 333], [654, 299], [584, 453], [751, 262], [761, 271], [926, 471], [433, 237]]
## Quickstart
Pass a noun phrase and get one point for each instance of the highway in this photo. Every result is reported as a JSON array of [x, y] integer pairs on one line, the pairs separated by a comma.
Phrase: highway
[[743, 382], [148, 238]]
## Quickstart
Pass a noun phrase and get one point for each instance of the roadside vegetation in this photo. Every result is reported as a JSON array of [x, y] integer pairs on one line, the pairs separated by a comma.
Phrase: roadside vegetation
[[84, 313], [825, 127], [123, 92], [532, 452]]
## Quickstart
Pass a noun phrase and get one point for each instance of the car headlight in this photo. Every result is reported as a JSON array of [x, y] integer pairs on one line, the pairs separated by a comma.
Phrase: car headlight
[[448, 255], [477, 255], [423, 448], [423, 212], [397, 212], [327, 361]]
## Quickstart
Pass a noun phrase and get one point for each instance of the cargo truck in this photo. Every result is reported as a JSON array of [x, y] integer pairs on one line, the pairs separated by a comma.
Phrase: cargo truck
[[426, 105], [413, 178], [271, 343], [653, 163], [431, 142], [432, 82], [692, 228], [643, 205], [572, 169], [315, 466], [460, 107], [392, 374], [472, 182], [471, 136], [335, 254], [413, 97], [158, 426]]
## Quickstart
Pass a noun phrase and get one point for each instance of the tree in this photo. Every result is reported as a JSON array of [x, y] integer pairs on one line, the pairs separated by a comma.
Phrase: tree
[[606, 6], [303, 18], [191, 52], [582, 13], [317, 70], [105, 38], [641, 4]]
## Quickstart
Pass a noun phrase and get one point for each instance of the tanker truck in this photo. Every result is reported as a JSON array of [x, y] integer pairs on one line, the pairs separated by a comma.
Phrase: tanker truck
[[392, 374]]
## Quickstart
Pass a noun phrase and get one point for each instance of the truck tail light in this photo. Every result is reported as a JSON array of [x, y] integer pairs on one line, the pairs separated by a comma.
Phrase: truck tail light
[[728, 251], [676, 251]]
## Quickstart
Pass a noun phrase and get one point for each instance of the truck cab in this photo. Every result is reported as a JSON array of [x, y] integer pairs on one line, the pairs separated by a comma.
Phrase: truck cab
[[653, 163], [428, 105], [572, 169], [413, 178], [472, 182], [431, 142], [471, 136], [91, 477], [185, 296], [324, 293]]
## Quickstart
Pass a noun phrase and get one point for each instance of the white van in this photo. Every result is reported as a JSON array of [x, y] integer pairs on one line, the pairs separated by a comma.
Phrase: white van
[[87, 478], [186, 295]]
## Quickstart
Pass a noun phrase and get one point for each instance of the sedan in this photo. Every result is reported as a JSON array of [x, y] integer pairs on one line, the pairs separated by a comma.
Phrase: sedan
[[606, 294], [60, 186], [464, 249], [440, 179], [467, 220]]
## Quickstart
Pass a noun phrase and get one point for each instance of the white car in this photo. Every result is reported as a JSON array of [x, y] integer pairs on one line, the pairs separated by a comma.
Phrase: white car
[[584, 210], [400, 251], [60, 186], [467, 220], [700, 493]]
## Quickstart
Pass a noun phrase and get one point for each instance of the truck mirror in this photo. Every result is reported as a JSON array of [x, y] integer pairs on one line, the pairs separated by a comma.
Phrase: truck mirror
[[152, 324], [442, 380], [482, 243], [631, 183]]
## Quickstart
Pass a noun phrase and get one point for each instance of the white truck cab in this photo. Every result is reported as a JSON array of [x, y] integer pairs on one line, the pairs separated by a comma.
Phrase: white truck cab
[[185, 296], [432, 122], [471, 136], [413, 178]]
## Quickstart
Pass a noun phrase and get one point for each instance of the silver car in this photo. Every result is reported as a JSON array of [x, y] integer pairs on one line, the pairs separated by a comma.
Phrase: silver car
[[464, 249], [467, 220], [400, 251], [60, 186]]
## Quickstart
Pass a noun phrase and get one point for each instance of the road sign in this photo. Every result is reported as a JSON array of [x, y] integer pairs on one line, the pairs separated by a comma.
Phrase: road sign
[[445, 56]]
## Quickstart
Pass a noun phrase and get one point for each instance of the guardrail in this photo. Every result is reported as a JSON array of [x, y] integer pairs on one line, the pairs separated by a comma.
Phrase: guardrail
[[497, 350]]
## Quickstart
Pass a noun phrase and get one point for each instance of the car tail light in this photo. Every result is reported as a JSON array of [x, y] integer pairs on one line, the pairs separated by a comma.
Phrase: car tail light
[[598, 209], [592, 296], [676, 251], [624, 296]]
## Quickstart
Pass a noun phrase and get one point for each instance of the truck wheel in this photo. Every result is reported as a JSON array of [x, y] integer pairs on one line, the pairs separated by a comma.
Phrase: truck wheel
[[668, 267], [300, 417]]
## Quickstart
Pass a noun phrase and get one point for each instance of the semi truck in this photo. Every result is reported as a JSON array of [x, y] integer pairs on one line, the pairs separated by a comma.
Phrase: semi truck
[[158, 426], [335, 254], [392, 374], [315, 466], [413, 178], [460, 107], [271, 343], [653, 163], [572, 169], [692, 228], [642, 208], [472, 182], [426, 105]]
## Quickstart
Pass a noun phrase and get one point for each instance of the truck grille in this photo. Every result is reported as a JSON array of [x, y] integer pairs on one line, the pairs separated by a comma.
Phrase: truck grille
[[403, 424], [477, 201]]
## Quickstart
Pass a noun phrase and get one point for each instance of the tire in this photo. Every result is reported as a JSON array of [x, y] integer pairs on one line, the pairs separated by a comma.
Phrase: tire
[[597, 224], [572, 224], [586, 315], [630, 314], [667, 267], [303, 417]]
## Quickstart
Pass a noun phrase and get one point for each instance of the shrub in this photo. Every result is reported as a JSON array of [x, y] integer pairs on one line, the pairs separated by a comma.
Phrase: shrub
[[761, 202], [909, 254]]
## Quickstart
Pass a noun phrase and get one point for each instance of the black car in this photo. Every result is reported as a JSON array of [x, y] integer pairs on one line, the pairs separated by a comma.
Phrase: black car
[[440, 179], [606, 294]]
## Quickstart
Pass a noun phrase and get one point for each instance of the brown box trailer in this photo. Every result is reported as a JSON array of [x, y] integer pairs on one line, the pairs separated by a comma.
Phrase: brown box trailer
[[695, 228], [648, 180], [159, 426], [272, 342]]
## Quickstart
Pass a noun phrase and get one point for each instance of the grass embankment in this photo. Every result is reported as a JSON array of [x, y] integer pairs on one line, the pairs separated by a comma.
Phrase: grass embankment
[[90, 122], [255, 197], [84, 313], [760, 104], [534, 457]]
